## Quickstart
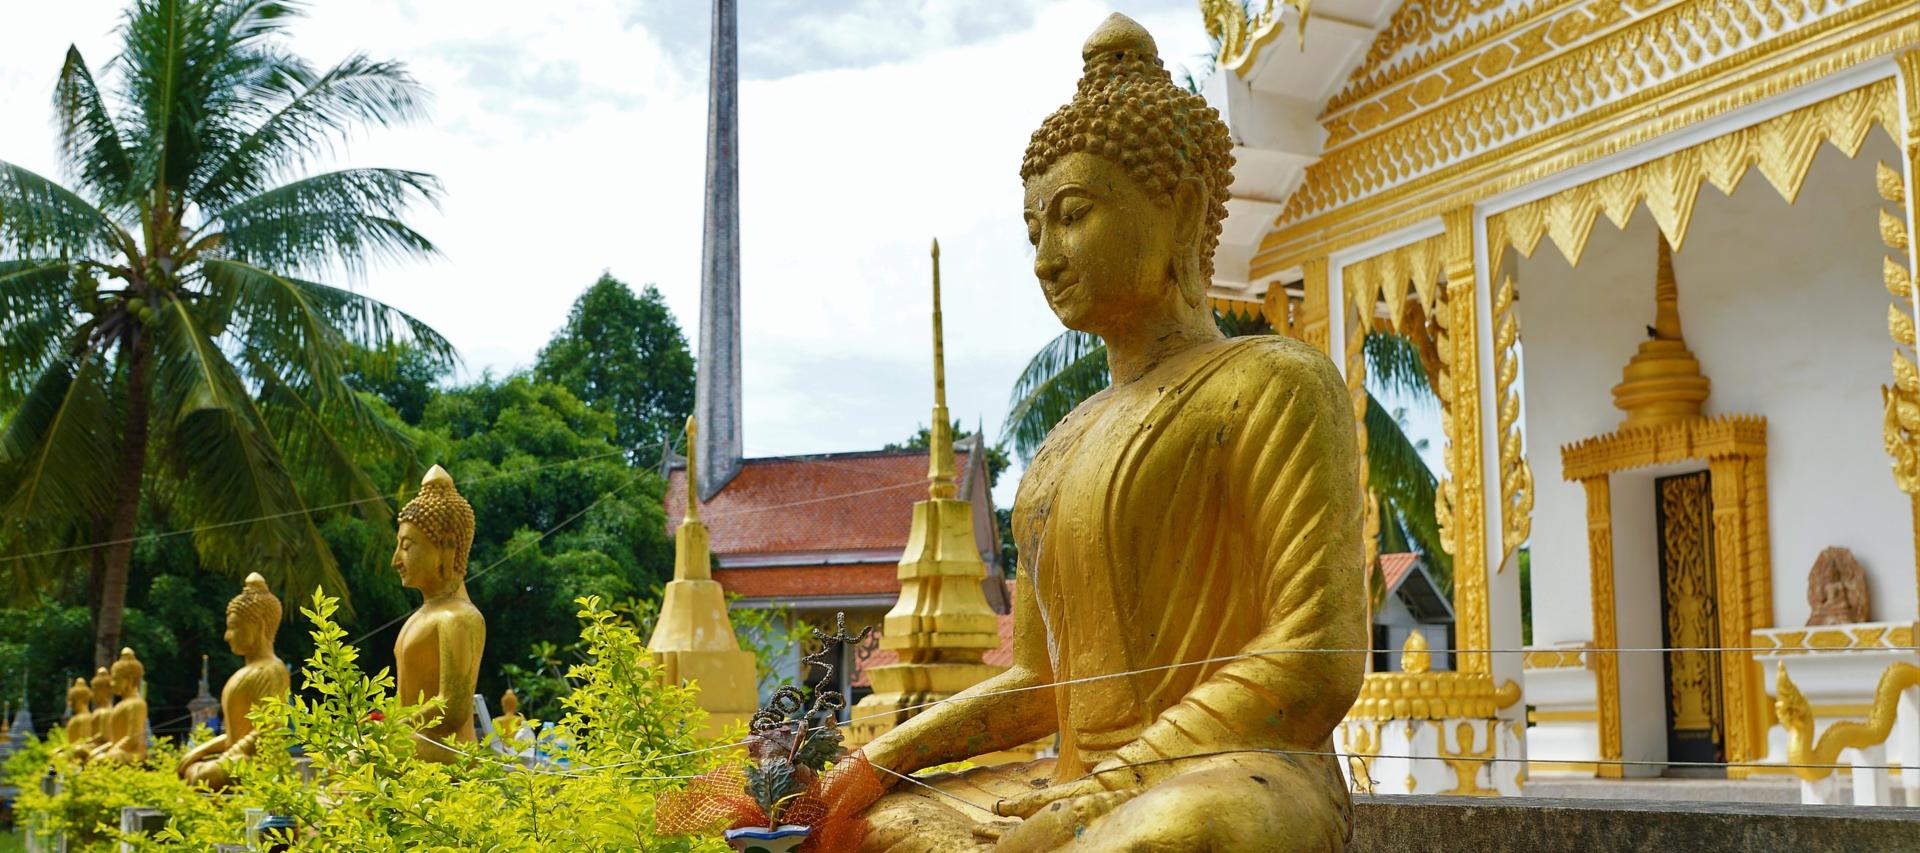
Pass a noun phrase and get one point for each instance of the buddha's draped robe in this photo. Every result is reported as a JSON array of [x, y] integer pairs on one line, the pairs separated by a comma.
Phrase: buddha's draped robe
[[1166, 528], [1207, 510]]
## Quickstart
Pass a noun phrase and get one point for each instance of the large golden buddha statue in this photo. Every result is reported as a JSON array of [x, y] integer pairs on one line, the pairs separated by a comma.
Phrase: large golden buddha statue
[[1202, 509], [438, 652], [253, 618], [124, 726]]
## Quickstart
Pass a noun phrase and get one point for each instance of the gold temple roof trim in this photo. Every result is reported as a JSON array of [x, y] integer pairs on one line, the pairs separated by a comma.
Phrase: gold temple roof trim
[[1397, 53], [1461, 153], [1781, 148], [1702, 438], [1388, 276]]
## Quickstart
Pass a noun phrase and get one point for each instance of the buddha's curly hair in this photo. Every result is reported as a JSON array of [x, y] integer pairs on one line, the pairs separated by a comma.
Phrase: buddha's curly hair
[[256, 603], [441, 513], [1128, 110]]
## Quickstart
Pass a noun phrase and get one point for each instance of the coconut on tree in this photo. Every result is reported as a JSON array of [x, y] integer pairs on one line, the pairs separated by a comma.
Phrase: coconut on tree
[[164, 325]]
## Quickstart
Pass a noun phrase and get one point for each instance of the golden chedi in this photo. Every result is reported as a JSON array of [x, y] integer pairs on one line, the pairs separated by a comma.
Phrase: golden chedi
[[80, 715], [1204, 506], [1662, 383], [438, 652], [253, 618], [125, 731]]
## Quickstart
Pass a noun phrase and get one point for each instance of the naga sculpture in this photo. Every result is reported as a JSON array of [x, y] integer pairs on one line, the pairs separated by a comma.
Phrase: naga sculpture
[[1200, 511], [438, 651], [253, 618], [1813, 760]]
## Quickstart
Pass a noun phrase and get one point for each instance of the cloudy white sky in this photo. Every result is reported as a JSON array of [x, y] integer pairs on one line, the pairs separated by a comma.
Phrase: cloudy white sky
[[570, 136]]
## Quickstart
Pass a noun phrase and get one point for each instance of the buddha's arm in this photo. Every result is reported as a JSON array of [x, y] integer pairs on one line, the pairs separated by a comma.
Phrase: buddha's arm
[[133, 730], [999, 713], [459, 644], [204, 751], [1294, 482]]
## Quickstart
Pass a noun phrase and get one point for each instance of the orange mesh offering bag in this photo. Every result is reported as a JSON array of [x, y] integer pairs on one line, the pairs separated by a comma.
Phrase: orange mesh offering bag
[[712, 803], [843, 792]]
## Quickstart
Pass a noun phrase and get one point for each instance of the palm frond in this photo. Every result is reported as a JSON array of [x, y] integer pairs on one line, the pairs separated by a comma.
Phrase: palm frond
[[309, 115], [230, 471], [1062, 375], [41, 217], [1405, 485], [328, 444], [49, 452], [36, 319], [1393, 363], [288, 321], [336, 219], [90, 144]]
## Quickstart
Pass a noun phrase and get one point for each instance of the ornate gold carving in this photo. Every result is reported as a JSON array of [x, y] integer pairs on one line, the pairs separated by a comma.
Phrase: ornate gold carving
[[1466, 761], [1744, 700], [1796, 716], [1388, 276], [1461, 502], [1516, 476], [1707, 438], [1782, 148], [1606, 634], [1639, 50], [1555, 659], [1857, 637], [1242, 35], [1759, 546], [1424, 696], [1310, 319], [1418, 23], [1338, 204], [1693, 684]]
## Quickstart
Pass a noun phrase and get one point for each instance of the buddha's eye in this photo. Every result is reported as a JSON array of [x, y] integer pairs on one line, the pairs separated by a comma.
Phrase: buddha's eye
[[1033, 229], [1073, 210]]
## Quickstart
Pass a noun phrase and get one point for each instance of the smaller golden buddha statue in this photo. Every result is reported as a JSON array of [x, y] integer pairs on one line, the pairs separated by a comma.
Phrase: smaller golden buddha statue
[[126, 723], [253, 618], [438, 652], [509, 722], [80, 714], [101, 689]]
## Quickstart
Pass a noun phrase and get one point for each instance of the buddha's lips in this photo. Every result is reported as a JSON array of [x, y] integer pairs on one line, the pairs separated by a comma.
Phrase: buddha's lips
[[1061, 286]]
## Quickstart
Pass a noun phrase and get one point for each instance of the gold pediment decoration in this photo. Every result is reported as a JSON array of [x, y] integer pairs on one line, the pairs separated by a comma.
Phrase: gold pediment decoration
[[1702, 439], [1425, 33], [1782, 149], [1242, 32], [1389, 276]]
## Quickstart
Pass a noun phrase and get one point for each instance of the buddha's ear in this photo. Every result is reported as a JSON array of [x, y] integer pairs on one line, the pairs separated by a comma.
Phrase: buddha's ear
[[1189, 216]]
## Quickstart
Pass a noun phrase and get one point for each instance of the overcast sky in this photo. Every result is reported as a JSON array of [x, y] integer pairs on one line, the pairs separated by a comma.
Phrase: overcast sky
[[571, 141]]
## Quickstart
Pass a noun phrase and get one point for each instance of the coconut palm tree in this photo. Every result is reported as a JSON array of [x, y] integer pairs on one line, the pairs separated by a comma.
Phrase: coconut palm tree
[[162, 322], [1073, 367]]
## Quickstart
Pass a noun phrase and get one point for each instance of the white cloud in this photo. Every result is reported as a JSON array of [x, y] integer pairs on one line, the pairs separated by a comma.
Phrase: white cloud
[[572, 140]]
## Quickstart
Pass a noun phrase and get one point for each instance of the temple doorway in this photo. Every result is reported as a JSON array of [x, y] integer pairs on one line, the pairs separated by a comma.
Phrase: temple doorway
[[1689, 619]]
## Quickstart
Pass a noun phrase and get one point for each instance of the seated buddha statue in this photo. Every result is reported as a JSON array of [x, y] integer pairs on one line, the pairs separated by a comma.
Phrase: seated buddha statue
[[96, 719], [507, 725], [1202, 509], [79, 711], [438, 651], [125, 728], [253, 618]]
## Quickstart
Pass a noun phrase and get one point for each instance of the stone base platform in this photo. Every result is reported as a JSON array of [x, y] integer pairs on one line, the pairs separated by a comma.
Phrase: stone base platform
[[1783, 789], [1442, 824]]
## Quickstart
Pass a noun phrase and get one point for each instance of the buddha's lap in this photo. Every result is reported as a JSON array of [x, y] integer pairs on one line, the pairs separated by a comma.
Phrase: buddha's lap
[[1242, 800]]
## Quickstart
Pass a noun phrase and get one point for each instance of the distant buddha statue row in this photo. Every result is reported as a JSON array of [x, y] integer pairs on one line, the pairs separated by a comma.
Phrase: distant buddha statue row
[[253, 618], [114, 731]]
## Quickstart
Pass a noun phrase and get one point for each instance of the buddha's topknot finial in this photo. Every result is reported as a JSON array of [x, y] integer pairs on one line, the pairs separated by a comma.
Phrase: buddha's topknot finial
[[1128, 110], [443, 515]]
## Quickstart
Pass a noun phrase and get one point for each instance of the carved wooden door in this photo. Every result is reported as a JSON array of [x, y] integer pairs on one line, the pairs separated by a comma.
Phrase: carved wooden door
[[1689, 617]]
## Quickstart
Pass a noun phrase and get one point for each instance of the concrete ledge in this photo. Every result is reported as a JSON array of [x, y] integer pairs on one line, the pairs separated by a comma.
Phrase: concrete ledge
[[1415, 823]]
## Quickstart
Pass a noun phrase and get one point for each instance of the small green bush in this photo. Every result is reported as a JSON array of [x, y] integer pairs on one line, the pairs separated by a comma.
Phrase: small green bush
[[628, 734]]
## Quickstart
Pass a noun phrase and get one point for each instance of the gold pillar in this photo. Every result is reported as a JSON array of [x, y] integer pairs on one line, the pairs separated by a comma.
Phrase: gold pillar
[[1739, 674], [942, 624], [693, 638], [1465, 469], [1606, 634], [1312, 322], [1901, 282]]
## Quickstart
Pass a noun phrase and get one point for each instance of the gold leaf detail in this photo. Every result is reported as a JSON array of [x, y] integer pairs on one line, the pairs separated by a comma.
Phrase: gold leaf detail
[[1888, 181]]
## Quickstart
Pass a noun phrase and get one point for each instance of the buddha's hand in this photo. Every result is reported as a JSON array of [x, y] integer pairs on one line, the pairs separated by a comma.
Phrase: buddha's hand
[[1107, 776]]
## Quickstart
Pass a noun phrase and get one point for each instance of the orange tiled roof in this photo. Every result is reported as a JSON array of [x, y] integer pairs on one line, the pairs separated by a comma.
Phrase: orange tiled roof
[[1396, 567], [798, 581], [814, 505]]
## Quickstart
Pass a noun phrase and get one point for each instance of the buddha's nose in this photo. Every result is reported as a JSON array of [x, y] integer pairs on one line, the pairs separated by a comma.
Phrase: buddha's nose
[[1049, 269]]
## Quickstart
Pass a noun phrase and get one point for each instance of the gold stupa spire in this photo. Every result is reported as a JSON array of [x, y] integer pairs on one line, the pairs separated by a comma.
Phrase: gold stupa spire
[[693, 638], [940, 440], [1662, 383]]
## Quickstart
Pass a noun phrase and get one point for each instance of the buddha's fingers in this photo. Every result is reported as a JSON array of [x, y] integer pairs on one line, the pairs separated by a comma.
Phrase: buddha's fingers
[[1060, 823]]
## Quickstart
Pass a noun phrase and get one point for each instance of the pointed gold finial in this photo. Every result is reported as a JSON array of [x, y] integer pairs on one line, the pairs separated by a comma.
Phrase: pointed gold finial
[[693, 491], [940, 440], [1662, 383]]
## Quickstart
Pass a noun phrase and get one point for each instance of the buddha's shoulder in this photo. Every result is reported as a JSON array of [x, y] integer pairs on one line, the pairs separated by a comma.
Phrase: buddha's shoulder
[[1270, 362]]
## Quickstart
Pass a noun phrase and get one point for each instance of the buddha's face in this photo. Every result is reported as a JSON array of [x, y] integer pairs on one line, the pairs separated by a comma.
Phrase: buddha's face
[[124, 684], [422, 564], [1108, 256], [243, 635]]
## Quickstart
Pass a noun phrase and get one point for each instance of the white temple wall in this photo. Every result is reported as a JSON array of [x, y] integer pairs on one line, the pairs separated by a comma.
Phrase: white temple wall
[[1784, 307]]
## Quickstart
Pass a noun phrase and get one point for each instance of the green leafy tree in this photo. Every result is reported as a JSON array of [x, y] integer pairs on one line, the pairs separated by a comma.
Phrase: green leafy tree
[[624, 354], [997, 458], [559, 512], [167, 300], [1073, 367]]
